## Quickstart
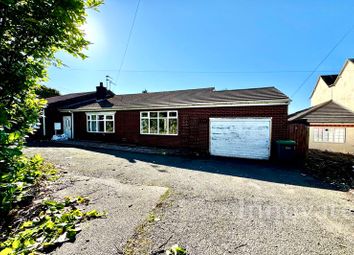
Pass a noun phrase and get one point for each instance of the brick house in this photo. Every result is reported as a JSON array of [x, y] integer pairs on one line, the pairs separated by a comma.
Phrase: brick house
[[236, 123]]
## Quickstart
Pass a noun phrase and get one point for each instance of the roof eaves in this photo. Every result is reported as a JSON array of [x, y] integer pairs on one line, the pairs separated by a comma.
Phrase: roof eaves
[[313, 91], [341, 71]]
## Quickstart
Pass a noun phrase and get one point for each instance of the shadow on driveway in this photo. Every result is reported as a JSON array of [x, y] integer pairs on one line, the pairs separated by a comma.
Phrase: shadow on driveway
[[253, 169]]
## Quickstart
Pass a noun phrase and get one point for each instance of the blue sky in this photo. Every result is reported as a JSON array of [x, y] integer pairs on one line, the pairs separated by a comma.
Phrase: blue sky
[[227, 44]]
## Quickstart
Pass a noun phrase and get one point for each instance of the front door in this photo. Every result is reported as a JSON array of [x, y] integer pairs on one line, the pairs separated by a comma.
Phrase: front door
[[67, 126]]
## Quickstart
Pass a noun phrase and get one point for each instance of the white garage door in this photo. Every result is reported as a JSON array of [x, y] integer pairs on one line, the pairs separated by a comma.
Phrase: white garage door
[[240, 137]]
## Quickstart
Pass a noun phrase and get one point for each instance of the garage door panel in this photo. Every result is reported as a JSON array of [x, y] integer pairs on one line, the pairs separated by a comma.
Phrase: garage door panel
[[240, 137]]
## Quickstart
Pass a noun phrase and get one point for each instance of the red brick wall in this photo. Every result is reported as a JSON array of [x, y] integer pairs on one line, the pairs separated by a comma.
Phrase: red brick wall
[[193, 126]]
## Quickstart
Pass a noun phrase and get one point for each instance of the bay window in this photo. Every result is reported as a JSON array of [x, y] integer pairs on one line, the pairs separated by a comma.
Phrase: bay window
[[100, 122], [159, 123]]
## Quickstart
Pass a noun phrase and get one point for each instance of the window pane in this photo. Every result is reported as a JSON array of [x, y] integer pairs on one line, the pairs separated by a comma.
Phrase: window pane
[[145, 126], [109, 126], [144, 114], [320, 134], [109, 117], [100, 126], [331, 135], [339, 135], [173, 127], [172, 114], [153, 114], [93, 117], [153, 126], [93, 126], [163, 126], [315, 134], [101, 117], [162, 114], [89, 125], [325, 135]]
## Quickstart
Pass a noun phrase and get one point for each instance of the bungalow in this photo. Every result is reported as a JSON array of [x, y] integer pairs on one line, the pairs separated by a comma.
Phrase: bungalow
[[234, 123]]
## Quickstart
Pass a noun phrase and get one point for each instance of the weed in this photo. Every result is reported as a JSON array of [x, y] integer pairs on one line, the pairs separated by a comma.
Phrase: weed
[[176, 250], [55, 223]]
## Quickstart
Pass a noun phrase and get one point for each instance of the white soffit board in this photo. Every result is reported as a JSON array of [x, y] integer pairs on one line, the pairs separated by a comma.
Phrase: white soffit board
[[240, 137]]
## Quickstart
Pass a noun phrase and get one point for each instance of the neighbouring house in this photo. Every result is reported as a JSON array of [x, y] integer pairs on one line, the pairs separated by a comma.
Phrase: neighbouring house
[[329, 123], [241, 123]]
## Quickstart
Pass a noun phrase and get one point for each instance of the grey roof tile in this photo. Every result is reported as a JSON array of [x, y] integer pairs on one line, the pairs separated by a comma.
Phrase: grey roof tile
[[203, 96], [55, 99], [328, 112]]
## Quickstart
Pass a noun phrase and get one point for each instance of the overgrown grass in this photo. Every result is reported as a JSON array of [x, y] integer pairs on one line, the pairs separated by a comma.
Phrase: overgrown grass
[[335, 168]]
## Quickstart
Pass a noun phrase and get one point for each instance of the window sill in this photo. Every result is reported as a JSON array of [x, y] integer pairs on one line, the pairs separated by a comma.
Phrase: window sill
[[93, 132], [160, 134], [331, 142]]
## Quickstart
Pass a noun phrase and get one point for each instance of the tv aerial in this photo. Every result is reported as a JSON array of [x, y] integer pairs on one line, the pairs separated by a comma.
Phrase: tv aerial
[[109, 82]]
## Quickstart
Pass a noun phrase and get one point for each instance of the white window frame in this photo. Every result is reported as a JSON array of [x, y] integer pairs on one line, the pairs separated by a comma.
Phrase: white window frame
[[158, 122], [328, 134], [90, 114]]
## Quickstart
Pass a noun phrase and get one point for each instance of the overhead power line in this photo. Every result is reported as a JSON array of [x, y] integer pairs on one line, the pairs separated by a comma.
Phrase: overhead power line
[[217, 72], [323, 60], [199, 71], [128, 41]]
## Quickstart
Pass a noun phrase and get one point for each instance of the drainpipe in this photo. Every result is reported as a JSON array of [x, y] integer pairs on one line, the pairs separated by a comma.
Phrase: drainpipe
[[72, 125], [43, 123]]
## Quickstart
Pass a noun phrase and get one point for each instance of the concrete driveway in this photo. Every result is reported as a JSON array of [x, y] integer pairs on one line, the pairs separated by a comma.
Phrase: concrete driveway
[[220, 206]]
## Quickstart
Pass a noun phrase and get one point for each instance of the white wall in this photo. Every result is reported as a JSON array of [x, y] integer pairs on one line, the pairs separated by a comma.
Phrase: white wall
[[322, 93], [343, 92]]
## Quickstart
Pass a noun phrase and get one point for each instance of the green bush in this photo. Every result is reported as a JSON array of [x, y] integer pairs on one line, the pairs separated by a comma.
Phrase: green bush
[[18, 182], [31, 33]]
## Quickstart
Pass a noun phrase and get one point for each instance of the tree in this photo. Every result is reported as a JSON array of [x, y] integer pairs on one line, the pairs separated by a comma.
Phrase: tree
[[31, 32], [44, 92]]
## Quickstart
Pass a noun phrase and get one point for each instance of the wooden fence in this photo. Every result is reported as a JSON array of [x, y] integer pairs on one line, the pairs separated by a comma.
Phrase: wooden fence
[[300, 134]]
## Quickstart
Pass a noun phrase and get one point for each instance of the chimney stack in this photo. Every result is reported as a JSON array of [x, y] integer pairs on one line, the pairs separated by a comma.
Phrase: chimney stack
[[101, 92]]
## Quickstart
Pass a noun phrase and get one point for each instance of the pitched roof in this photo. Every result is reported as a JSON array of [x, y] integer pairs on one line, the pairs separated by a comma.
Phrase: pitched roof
[[327, 112], [56, 99], [329, 79], [185, 98]]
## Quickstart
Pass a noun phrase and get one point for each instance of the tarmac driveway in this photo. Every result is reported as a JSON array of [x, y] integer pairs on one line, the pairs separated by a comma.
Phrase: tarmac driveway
[[220, 206]]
